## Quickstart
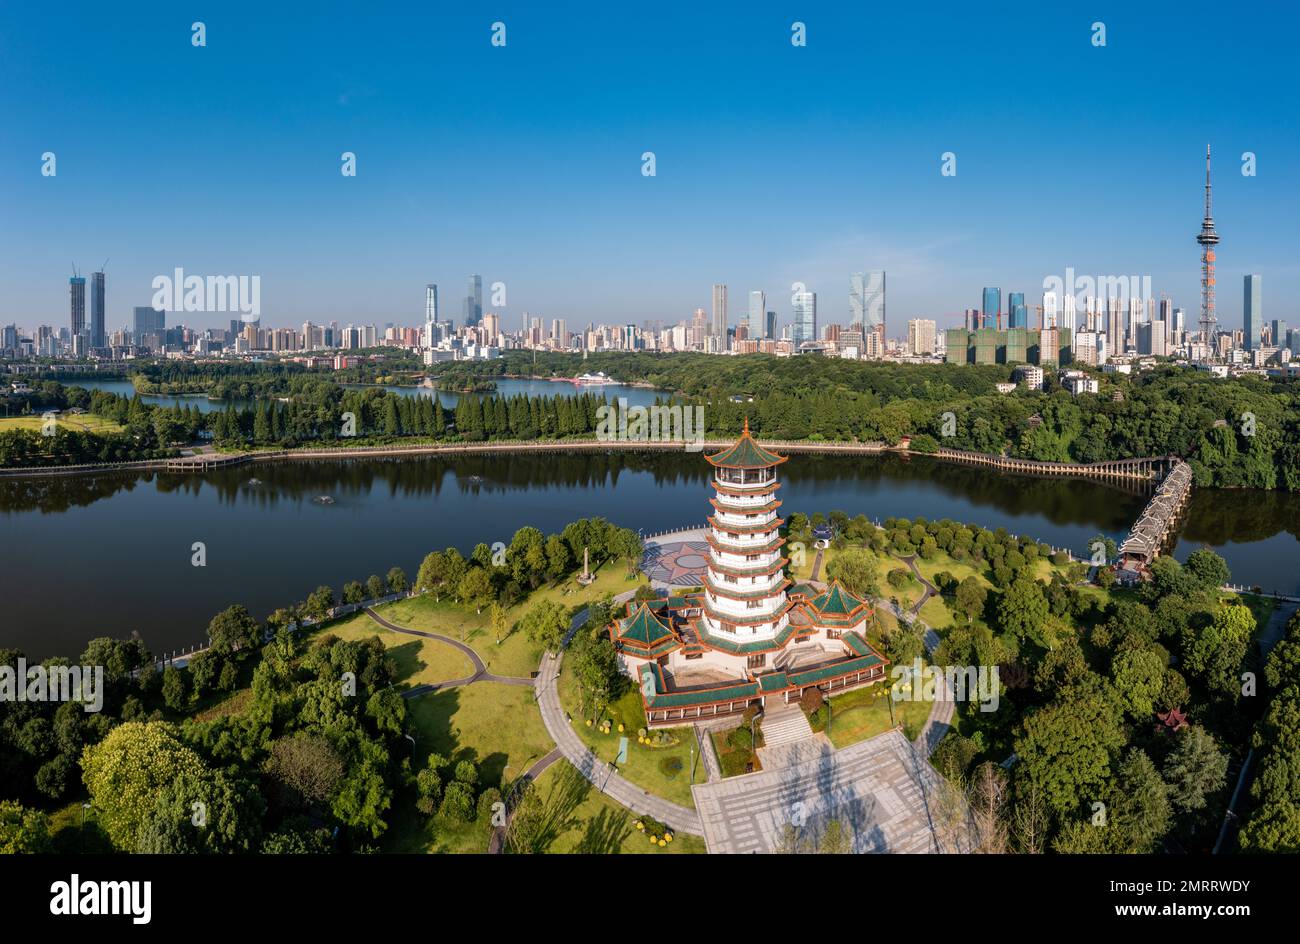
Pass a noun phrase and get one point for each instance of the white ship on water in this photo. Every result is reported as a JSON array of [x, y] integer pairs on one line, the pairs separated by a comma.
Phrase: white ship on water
[[598, 379]]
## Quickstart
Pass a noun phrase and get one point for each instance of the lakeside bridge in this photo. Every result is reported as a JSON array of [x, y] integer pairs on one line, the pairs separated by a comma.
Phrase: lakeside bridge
[[1156, 525], [1143, 469]]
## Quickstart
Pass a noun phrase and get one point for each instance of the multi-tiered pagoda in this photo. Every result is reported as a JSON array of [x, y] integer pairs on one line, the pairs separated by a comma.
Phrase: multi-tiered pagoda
[[751, 634]]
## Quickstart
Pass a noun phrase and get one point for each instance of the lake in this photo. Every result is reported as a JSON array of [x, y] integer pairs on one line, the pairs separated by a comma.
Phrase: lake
[[106, 555]]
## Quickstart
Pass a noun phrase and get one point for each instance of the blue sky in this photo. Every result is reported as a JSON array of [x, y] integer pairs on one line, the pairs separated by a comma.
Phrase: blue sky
[[775, 164]]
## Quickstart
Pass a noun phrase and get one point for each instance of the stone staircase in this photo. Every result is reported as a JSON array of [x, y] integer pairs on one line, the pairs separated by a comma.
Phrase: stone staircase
[[785, 725]]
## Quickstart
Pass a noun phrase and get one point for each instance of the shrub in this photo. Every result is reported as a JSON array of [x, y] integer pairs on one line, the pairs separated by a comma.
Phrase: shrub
[[466, 773], [486, 801], [818, 718], [458, 802], [741, 739], [811, 700], [899, 577]]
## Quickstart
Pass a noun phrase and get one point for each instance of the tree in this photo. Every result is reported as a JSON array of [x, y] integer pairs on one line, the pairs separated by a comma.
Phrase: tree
[[319, 602], [353, 592], [497, 619], [233, 629], [397, 580], [546, 623], [126, 771], [1207, 568], [1023, 610], [1139, 678], [1065, 747], [22, 830], [375, 587], [173, 688], [970, 597], [304, 770], [1195, 769], [457, 802], [1216, 652], [857, 569], [475, 588]]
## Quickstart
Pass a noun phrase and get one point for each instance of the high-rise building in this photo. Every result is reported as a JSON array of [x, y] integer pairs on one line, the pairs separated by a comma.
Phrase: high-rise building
[[149, 326], [1050, 315], [429, 336], [77, 297], [1016, 310], [805, 317], [867, 301], [1252, 311], [921, 336], [97, 336], [991, 313], [474, 301], [757, 306], [1065, 320], [719, 331], [1277, 332], [769, 326]]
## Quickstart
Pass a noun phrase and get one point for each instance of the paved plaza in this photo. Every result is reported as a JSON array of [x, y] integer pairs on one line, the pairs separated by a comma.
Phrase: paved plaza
[[676, 563], [885, 794]]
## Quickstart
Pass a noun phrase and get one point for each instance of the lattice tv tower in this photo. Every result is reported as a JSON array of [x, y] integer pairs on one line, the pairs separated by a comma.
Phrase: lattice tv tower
[[1208, 239]]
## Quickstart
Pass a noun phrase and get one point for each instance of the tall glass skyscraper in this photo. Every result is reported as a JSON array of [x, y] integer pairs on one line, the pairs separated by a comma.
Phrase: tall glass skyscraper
[[867, 301], [754, 320], [77, 298], [720, 313], [1019, 314], [805, 317], [98, 337], [474, 301], [1252, 311], [992, 308]]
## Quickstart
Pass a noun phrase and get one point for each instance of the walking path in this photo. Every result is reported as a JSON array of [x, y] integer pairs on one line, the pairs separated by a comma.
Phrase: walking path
[[930, 589], [481, 674], [602, 775]]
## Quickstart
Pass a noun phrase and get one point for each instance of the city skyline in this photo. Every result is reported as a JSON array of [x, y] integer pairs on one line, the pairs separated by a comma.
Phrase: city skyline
[[532, 207]]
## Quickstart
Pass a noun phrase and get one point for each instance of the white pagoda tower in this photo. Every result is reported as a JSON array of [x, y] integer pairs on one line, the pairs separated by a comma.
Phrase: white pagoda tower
[[745, 587]]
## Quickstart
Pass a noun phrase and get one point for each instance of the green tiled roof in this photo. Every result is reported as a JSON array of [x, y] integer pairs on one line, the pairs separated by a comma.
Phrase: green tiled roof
[[643, 627], [705, 696], [837, 601], [857, 644], [813, 676], [745, 648], [773, 682], [745, 454]]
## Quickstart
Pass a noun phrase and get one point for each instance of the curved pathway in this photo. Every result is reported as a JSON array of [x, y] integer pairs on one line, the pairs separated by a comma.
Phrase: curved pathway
[[481, 674], [603, 776], [930, 589]]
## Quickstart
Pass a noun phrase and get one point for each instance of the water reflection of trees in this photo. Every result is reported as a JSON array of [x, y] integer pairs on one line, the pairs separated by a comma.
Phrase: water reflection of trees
[[53, 494], [1215, 516]]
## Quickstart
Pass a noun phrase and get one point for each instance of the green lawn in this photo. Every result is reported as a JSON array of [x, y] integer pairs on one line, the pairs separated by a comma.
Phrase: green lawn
[[516, 655], [643, 763], [419, 661], [864, 713], [84, 422], [588, 822], [496, 726]]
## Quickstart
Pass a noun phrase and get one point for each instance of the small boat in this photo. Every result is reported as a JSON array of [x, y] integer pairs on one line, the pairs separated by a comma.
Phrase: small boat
[[475, 480], [254, 482], [323, 500]]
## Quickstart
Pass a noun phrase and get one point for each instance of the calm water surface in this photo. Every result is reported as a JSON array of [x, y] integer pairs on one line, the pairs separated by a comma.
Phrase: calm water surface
[[108, 555]]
